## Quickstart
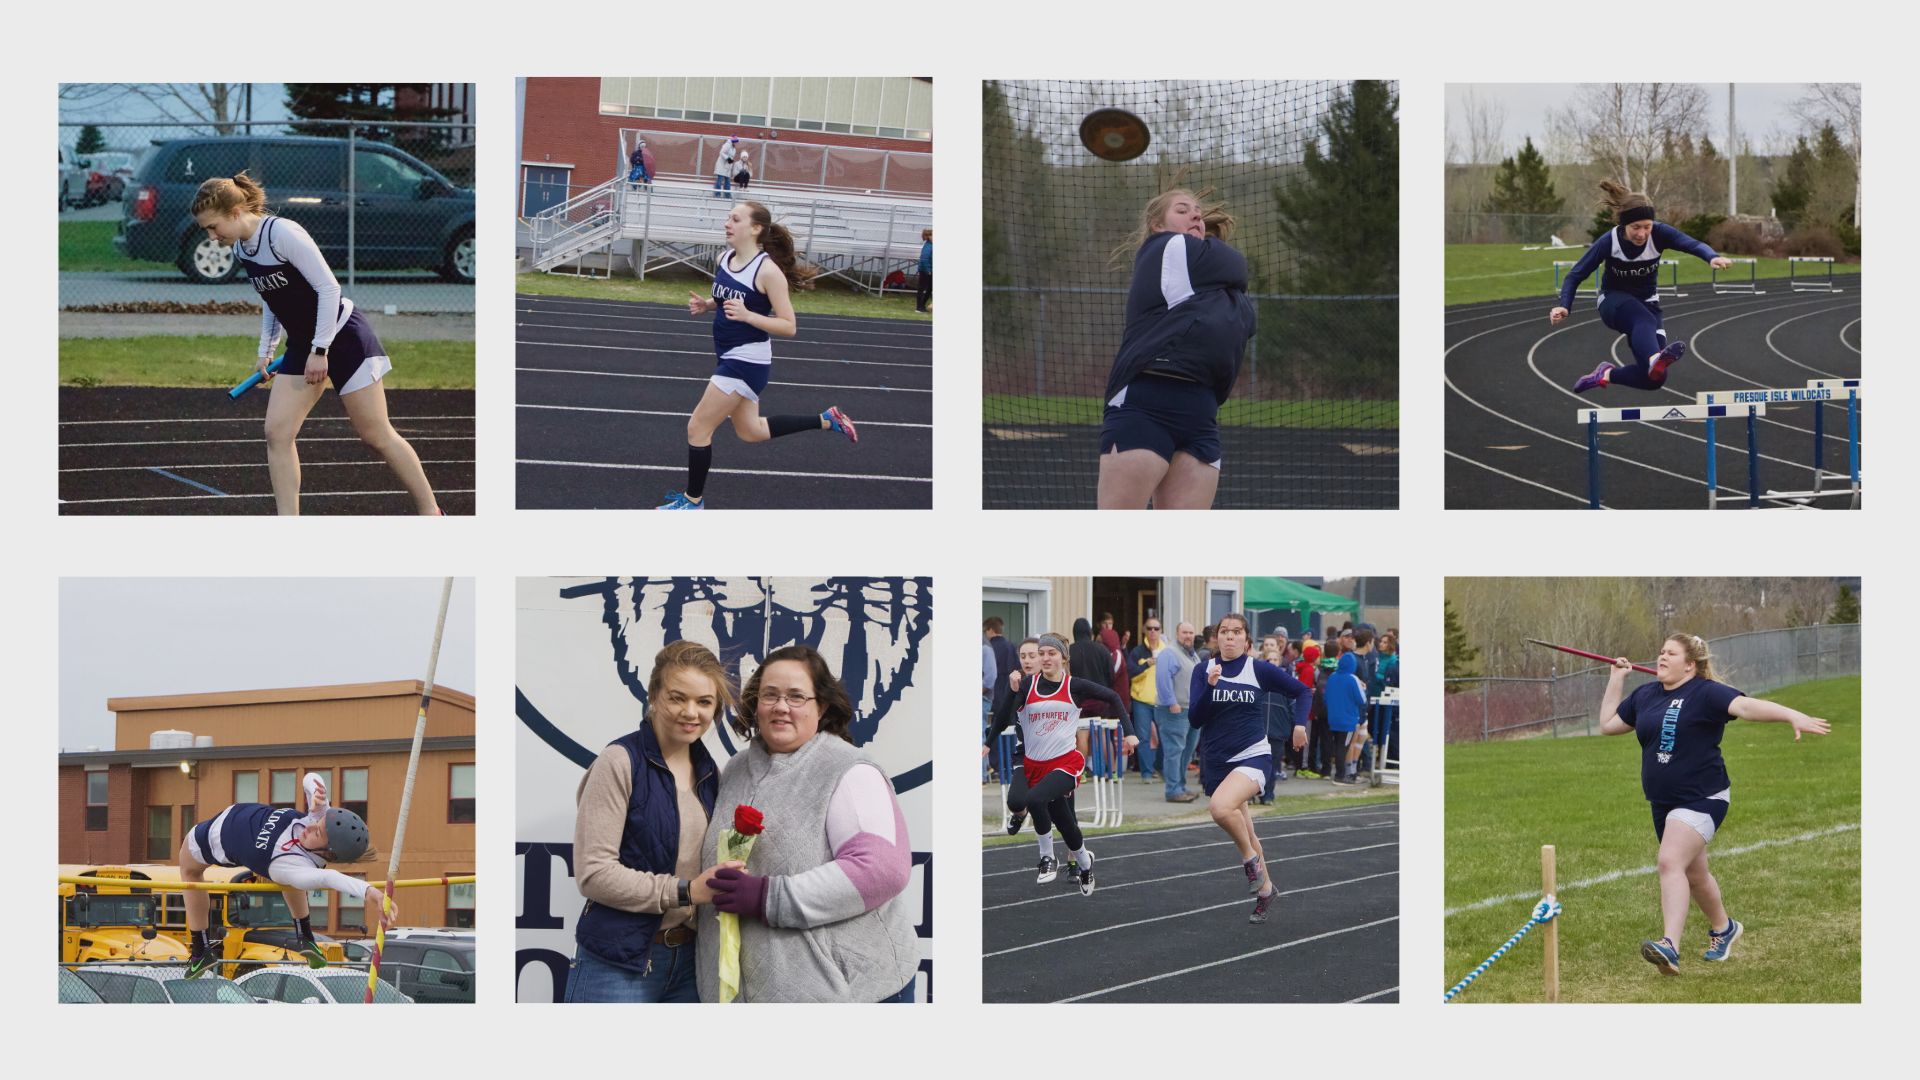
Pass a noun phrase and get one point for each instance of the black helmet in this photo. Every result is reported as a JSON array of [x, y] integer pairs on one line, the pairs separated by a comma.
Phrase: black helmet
[[347, 837]]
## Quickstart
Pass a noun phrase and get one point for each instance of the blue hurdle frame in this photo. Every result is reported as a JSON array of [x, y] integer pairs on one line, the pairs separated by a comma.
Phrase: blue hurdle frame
[[1593, 418]]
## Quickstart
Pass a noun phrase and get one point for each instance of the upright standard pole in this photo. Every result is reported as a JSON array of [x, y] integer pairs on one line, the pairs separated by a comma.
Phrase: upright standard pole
[[1552, 928], [1733, 159]]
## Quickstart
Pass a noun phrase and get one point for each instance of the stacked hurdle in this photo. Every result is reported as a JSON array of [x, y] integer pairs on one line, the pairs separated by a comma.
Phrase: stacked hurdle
[[1005, 762], [1384, 717], [1593, 418], [1748, 286], [1799, 283], [1546, 914], [1107, 760], [1818, 393]]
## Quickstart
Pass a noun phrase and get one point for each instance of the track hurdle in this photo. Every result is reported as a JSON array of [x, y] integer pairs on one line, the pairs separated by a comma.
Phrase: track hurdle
[[1593, 418], [1818, 393], [1384, 717], [1748, 286], [1546, 914], [1799, 283], [1004, 762], [1107, 760], [1671, 287], [1589, 287]]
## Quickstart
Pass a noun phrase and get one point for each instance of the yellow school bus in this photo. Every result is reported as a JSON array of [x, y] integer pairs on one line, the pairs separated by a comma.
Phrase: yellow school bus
[[250, 928]]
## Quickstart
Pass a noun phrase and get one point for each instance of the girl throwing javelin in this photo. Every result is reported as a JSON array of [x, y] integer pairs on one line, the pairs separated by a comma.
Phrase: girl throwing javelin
[[283, 847], [751, 305], [1048, 705], [1679, 719], [300, 296], [1629, 289], [1188, 324], [1235, 759]]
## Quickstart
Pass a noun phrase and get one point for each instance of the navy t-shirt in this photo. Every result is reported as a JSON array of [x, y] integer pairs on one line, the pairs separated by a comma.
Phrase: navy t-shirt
[[1679, 732]]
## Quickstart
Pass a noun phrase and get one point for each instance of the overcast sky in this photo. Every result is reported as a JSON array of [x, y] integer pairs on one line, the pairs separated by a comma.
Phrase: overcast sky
[[128, 637], [1761, 109]]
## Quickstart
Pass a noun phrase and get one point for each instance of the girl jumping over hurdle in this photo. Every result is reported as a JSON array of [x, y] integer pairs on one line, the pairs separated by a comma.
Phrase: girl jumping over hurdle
[[327, 338], [1679, 719], [287, 848], [751, 304], [1628, 257], [1235, 759], [1048, 704], [1188, 324]]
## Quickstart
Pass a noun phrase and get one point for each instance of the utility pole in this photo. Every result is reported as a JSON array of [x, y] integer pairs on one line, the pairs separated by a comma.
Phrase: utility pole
[[1733, 159]]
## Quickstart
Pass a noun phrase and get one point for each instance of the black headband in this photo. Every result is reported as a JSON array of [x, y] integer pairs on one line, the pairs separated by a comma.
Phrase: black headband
[[1636, 213]]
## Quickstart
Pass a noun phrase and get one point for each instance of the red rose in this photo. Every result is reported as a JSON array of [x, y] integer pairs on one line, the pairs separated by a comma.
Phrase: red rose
[[747, 821]]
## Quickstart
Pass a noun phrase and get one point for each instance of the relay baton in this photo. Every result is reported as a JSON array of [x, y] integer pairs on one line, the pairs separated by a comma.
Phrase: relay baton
[[254, 379], [1588, 655]]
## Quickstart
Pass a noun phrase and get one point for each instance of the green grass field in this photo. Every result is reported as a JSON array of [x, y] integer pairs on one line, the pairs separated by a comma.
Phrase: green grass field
[[161, 360], [1480, 272], [829, 299], [88, 245], [1357, 413], [1800, 899]]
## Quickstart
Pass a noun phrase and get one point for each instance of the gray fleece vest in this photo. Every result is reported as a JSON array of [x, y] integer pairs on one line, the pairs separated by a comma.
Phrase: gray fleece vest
[[865, 958]]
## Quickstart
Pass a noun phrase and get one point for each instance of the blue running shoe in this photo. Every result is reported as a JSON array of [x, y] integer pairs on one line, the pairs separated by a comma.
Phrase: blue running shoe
[[1661, 954], [840, 423], [1596, 377], [677, 500], [1720, 946]]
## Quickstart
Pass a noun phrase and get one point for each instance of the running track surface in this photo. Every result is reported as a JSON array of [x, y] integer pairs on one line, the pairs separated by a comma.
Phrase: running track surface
[[605, 388], [148, 450], [1512, 439], [1168, 919]]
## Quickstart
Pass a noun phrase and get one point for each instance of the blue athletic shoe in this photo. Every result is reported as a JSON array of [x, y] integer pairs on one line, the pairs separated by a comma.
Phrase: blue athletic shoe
[[1596, 377], [1720, 946], [1661, 954], [839, 422], [677, 500]]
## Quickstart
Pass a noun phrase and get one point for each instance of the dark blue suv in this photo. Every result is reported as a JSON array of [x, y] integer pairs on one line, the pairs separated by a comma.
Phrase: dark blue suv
[[406, 215]]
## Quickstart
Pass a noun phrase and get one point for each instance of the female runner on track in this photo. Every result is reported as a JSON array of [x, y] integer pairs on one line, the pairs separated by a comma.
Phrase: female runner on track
[[1234, 755], [285, 848], [1630, 289], [1679, 719], [1188, 324], [296, 289], [751, 304], [1048, 705]]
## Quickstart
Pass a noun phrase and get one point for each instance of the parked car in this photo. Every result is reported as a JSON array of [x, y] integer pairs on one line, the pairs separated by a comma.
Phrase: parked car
[[428, 965], [328, 986], [156, 984], [405, 214], [112, 171], [73, 179], [75, 991]]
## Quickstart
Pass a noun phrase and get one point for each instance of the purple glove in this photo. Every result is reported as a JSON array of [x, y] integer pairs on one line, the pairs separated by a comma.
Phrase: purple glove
[[739, 892]]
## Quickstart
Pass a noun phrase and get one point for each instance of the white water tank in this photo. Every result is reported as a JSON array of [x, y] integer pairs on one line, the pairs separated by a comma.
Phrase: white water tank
[[170, 739]]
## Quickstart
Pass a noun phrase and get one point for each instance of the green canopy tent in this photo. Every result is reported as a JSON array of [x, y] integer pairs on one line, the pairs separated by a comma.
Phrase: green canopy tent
[[1281, 594]]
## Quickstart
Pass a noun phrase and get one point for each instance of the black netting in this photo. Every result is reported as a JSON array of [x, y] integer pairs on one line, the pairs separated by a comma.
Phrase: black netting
[[1313, 419]]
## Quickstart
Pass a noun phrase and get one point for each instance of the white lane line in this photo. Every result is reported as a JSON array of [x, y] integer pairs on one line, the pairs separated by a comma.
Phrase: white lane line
[[1229, 960], [1581, 499], [262, 495], [726, 472], [1193, 873], [1104, 859], [683, 415], [907, 327], [1375, 994], [256, 442], [251, 420], [709, 352], [704, 378], [669, 333], [1642, 871], [248, 465], [1807, 367], [1391, 807]]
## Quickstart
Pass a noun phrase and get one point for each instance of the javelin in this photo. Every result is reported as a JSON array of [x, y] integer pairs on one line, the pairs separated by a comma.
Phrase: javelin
[[1588, 655]]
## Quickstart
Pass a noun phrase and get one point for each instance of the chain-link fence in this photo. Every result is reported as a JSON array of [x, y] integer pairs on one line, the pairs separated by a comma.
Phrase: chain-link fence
[[1481, 227], [390, 204], [1759, 662]]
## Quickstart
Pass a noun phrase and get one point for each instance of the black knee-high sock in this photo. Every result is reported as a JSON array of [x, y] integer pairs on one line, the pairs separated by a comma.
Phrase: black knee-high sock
[[305, 926], [787, 425], [699, 460]]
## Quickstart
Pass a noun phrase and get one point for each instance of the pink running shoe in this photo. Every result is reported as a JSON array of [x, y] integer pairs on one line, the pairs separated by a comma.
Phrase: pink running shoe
[[1596, 377], [841, 423], [1666, 358]]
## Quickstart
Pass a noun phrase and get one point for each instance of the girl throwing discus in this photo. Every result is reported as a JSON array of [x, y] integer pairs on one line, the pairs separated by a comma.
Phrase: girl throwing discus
[[1679, 719], [286, 848], [1235, 759], [1188, 324], [301, 297], [1048, 705], [1628, 257], [751, 304]]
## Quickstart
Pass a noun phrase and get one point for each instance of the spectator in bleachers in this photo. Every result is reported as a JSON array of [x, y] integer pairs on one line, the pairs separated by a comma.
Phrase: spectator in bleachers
[[923, 291], [742, 172], [723, 167], [642, 171]]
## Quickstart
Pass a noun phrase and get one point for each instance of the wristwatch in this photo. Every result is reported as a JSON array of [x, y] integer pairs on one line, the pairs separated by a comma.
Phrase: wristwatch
[[686, 892], [319, 350]]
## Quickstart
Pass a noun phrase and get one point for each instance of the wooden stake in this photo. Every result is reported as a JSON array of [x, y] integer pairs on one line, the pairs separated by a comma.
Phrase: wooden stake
[[1552, 928]]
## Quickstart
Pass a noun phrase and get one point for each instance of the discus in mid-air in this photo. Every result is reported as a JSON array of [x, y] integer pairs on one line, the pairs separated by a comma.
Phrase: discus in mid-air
[[751, 303], [1628, 257]]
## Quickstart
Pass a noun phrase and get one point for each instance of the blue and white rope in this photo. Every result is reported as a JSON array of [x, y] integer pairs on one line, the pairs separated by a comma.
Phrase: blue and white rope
[[1543, 912]]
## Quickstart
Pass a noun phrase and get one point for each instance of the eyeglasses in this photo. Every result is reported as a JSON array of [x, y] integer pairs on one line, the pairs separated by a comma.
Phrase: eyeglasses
[[794, 698], [1155, 629]]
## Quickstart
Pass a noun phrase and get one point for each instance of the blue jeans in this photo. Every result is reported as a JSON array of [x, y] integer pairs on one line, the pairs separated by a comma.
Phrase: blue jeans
[[1143, 727], [1176, 746], [670, 977], [721, 185], [986, 721]]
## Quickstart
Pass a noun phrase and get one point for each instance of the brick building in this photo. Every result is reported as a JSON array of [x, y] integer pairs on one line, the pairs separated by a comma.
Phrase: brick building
[[182, 758]]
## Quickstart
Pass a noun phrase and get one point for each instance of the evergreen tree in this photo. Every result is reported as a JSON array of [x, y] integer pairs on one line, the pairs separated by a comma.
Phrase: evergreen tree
[[373, 107], [1461, 658], [1846, 608], [1523, 185], [1794, 188], [1343, 221], [91, 141]]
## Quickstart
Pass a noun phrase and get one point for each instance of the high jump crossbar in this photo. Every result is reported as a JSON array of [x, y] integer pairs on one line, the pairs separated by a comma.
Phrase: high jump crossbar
[[239, 886]]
